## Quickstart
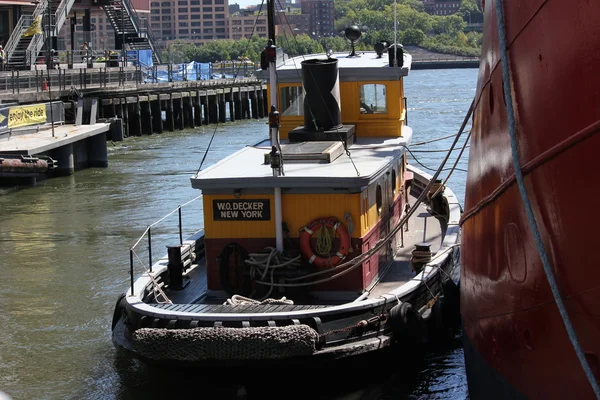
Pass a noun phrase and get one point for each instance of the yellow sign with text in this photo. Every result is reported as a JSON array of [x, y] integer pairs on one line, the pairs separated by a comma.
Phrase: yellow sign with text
[[26, 115]]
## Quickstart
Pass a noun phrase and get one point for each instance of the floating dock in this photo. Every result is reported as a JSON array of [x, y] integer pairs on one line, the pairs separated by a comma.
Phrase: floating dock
[[36, 144]]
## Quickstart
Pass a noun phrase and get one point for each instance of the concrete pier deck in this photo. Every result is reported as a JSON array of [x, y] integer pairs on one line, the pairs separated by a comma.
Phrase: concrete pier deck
[[41, 142], [73, 147]]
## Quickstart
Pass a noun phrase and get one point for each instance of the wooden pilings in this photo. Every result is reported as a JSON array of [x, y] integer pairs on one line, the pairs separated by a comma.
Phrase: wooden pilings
[[146, 113]]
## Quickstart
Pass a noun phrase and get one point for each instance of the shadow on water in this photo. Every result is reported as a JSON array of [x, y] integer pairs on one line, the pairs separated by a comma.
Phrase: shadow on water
[[432, 374]]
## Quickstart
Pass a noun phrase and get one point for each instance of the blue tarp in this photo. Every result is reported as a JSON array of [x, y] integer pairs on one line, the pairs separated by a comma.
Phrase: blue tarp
[[145, 58], [141, 58], [181, 72]]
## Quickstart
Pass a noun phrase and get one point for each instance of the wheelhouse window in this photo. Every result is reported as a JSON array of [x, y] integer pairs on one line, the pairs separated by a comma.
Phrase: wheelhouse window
[[291, 100], [373, 99]]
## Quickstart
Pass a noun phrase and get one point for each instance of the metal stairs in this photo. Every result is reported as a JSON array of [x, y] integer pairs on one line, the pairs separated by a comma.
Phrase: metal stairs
[[127, 24], [23, 51]]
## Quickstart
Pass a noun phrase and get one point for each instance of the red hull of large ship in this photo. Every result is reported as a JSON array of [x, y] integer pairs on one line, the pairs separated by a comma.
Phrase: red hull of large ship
[[516, 344]]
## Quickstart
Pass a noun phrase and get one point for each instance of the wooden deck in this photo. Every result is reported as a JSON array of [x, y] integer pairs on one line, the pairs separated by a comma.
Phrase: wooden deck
[[422, 228]]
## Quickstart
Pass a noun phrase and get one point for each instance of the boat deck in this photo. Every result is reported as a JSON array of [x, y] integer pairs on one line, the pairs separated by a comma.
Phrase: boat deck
[[422, 228]]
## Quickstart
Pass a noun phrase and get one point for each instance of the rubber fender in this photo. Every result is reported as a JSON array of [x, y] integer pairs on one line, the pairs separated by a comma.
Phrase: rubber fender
[[439, 327], [451, 304], [407, 324], [119, 308]]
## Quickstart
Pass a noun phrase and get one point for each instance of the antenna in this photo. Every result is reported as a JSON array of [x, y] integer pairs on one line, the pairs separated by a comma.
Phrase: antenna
[[395, 33]]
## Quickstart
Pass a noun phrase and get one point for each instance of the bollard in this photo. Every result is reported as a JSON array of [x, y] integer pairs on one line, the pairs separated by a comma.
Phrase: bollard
[[175, 268]]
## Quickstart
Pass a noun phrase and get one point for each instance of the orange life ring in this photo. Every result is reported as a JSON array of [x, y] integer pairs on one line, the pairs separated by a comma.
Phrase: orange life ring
[[307, 251]]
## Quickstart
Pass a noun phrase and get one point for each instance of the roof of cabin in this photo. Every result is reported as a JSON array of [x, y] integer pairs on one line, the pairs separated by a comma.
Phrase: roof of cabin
[[365, 66], [247, 168]]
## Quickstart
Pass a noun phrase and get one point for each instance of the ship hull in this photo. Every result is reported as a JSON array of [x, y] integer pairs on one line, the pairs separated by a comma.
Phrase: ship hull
[[516, 341]]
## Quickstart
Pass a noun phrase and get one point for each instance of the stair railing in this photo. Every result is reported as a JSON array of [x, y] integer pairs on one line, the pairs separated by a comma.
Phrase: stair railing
[[37, 41], [136, 20], [14, 38], [61, 15]]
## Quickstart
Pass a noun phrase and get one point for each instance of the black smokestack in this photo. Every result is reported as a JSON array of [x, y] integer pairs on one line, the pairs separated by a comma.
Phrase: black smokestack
[[321, 94]]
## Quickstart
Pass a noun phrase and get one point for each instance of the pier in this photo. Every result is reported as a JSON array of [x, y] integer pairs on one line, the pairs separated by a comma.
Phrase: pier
[[80, 110], [144, 108]]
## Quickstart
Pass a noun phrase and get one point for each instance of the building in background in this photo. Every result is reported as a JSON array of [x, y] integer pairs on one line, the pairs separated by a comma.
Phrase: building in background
[[246, 23], [441, 7], [321, 15], [195, 21]]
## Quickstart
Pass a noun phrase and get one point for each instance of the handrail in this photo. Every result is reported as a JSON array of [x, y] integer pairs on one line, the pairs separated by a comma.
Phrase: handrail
[[136, 23], [148, 233], [14, 38], [37, 41], [62, 10]]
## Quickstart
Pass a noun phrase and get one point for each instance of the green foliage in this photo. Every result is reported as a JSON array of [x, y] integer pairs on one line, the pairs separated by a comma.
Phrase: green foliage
[[469, 10], [375, 18]]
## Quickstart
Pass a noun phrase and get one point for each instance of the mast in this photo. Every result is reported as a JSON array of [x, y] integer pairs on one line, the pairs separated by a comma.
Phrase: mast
[[276, 156]]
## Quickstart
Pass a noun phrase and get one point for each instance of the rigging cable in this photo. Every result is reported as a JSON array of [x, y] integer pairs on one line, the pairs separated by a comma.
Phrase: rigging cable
[[441, 187], [347, 151], [358, 260], [434, 140], [243, 53], [235, 74], [512, 129]]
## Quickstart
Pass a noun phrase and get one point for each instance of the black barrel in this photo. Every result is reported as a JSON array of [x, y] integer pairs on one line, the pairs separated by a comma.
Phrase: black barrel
[[398, 51], [321, 94]]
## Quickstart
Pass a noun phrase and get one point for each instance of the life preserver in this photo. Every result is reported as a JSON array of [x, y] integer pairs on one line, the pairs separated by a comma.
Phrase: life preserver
[[306, 235]]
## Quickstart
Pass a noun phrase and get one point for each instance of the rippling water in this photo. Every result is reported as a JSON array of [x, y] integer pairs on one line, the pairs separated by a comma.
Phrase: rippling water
[[64, 260]]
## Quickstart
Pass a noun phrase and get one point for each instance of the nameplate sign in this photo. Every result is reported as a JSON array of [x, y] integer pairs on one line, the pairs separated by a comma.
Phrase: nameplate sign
[[241, 210]]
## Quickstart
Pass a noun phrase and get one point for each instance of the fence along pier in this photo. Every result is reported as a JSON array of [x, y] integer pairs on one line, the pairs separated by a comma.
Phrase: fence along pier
[[145, 108]]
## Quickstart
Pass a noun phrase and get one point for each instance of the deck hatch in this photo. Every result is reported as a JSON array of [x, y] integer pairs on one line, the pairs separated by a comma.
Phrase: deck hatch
[[325, 151]]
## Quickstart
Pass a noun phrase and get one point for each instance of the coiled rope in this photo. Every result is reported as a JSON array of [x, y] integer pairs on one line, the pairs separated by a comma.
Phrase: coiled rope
[[348, 266], [238, 300], [324, 241], [506, 78], [263, 263]]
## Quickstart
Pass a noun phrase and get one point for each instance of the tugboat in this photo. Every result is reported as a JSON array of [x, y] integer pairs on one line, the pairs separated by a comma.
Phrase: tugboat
[[530, 290], [319, 243]]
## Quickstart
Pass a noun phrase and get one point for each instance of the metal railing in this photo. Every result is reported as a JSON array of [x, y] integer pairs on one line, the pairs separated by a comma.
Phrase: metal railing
[[15, 37], [136, 20], [61, 14], [88, 78], [136, 255], [37, 41]]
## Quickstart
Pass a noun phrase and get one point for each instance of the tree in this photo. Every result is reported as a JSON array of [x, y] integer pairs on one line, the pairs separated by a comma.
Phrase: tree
[[413, 37], [469, 9]]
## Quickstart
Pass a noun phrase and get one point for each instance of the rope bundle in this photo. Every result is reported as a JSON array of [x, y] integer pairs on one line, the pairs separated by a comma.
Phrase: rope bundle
[[324, 241]]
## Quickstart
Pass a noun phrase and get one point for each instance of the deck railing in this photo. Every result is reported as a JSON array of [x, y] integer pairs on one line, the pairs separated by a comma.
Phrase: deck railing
[[147, 238]]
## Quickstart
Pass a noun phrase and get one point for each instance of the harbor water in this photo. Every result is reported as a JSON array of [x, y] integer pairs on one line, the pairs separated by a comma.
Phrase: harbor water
[[64, 260]]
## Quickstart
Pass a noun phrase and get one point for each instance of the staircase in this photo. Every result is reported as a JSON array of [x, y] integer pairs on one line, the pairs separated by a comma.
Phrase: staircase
[[22, 51], [127, 24]]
